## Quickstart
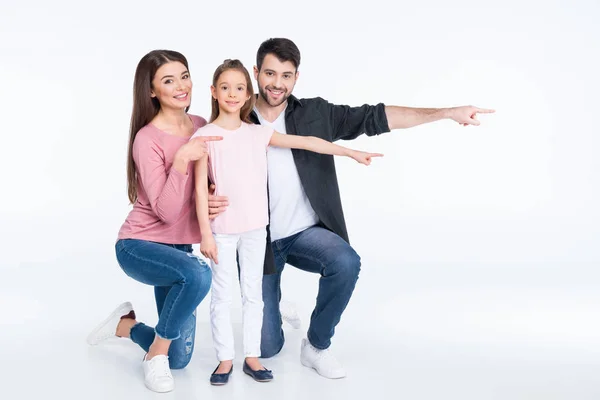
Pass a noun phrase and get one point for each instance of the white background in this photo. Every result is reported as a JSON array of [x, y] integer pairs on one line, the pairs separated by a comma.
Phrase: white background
[[480, 245]]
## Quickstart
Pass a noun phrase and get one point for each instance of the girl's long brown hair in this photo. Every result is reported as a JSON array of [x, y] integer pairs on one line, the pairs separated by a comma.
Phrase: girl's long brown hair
[[145, 107], [249, 105]]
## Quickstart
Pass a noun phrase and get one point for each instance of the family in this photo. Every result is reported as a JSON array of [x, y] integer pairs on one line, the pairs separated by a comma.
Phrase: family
[[256, 187]]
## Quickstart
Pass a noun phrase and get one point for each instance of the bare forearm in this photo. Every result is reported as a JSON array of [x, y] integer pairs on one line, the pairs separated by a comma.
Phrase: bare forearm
[[321, 146], [406, 117], [202, 212], [202, 197], [310, 143]]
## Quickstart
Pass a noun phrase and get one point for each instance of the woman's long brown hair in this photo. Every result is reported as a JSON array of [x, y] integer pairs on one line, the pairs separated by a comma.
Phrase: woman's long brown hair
[[145, 107]]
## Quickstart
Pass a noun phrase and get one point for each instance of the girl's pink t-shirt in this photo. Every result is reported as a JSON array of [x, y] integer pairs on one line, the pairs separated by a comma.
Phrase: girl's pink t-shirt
[[237, 165]]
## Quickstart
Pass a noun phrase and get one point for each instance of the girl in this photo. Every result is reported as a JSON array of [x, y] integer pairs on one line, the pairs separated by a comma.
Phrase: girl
[[154, 244], [237, 165]]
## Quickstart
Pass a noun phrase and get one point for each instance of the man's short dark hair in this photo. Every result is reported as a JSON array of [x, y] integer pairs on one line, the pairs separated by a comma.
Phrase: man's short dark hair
[[283, 49]]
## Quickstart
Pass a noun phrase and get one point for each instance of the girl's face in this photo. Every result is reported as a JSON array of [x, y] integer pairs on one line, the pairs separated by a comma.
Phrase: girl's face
[[172, 86], [231, 91]]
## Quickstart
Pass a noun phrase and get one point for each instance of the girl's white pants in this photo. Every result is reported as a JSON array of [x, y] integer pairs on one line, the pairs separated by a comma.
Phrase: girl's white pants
[[251, 249]]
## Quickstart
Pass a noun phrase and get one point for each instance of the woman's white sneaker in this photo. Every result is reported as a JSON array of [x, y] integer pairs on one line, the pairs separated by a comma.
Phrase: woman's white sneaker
[[108, 328], [322, 361], [157, 374]]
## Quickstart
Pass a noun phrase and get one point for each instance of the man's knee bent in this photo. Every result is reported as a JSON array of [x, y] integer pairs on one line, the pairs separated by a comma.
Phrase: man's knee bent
[[346, 264]]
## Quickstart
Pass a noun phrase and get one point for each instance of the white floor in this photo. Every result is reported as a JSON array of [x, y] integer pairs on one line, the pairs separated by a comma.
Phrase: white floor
[[410, 332]]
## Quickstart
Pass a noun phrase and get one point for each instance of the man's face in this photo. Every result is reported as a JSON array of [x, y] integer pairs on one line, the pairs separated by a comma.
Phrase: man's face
[[275, 80]]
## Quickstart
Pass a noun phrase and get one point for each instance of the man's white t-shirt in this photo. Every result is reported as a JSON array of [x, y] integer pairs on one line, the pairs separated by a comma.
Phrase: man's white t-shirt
[[290, 209]]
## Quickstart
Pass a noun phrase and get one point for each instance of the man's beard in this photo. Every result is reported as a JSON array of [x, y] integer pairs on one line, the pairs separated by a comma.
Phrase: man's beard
[[265, 96]]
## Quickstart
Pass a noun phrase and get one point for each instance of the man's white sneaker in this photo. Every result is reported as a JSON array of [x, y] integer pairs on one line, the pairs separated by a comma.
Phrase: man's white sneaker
[[289, 314], [157, 374], [321, 360], [108, 328]]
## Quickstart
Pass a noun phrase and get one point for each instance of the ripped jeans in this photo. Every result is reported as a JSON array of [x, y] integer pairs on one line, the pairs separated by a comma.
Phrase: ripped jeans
[[181, 280]]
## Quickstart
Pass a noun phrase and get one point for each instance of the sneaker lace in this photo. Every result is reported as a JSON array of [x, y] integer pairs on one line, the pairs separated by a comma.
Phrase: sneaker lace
[[327, 357]]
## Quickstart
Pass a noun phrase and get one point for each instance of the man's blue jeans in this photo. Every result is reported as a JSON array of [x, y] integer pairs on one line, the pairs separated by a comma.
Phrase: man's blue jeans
[[181, 280], [319, 251]]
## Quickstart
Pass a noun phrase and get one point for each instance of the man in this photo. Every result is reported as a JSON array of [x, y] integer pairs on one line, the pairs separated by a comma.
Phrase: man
[[307, 228]]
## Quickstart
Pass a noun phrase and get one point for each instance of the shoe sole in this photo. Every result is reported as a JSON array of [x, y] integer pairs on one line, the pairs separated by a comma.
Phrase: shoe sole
[[159, 391], [257, 380], [123, 309], [220, 383], [307, 365]]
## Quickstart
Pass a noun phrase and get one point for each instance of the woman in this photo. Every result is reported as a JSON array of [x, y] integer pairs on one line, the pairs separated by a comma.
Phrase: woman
[[154, 244]]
